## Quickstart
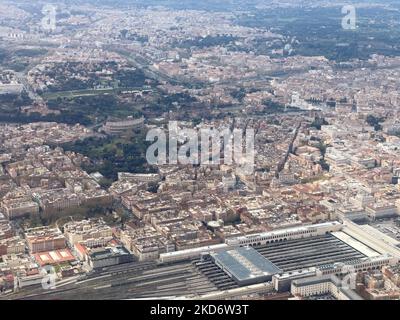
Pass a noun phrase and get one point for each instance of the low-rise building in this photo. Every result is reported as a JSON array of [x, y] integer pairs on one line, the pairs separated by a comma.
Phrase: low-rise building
[[322, 285], [16, 208], [44, 239], [92, 232], [381, 210], [105, 257], [146, 243]]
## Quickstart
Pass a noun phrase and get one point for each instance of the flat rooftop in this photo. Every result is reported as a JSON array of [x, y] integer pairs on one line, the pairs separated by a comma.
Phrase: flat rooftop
[[359, 246], [104, 253], [245, 265], [54, 257]]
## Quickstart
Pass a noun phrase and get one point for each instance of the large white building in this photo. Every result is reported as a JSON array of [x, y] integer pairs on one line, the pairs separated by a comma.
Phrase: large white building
[[91, 232], [286, 234], [381, 210], [321, 286]]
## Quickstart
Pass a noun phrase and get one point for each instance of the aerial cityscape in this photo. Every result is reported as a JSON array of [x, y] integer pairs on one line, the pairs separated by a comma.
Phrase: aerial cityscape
[[222, 150]]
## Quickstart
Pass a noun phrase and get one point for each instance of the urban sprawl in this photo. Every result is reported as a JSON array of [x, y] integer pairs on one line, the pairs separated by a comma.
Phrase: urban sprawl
[[84, 215]]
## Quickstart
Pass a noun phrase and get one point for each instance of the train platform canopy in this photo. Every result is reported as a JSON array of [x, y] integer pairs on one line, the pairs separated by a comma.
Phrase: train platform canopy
[[245, 265]]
